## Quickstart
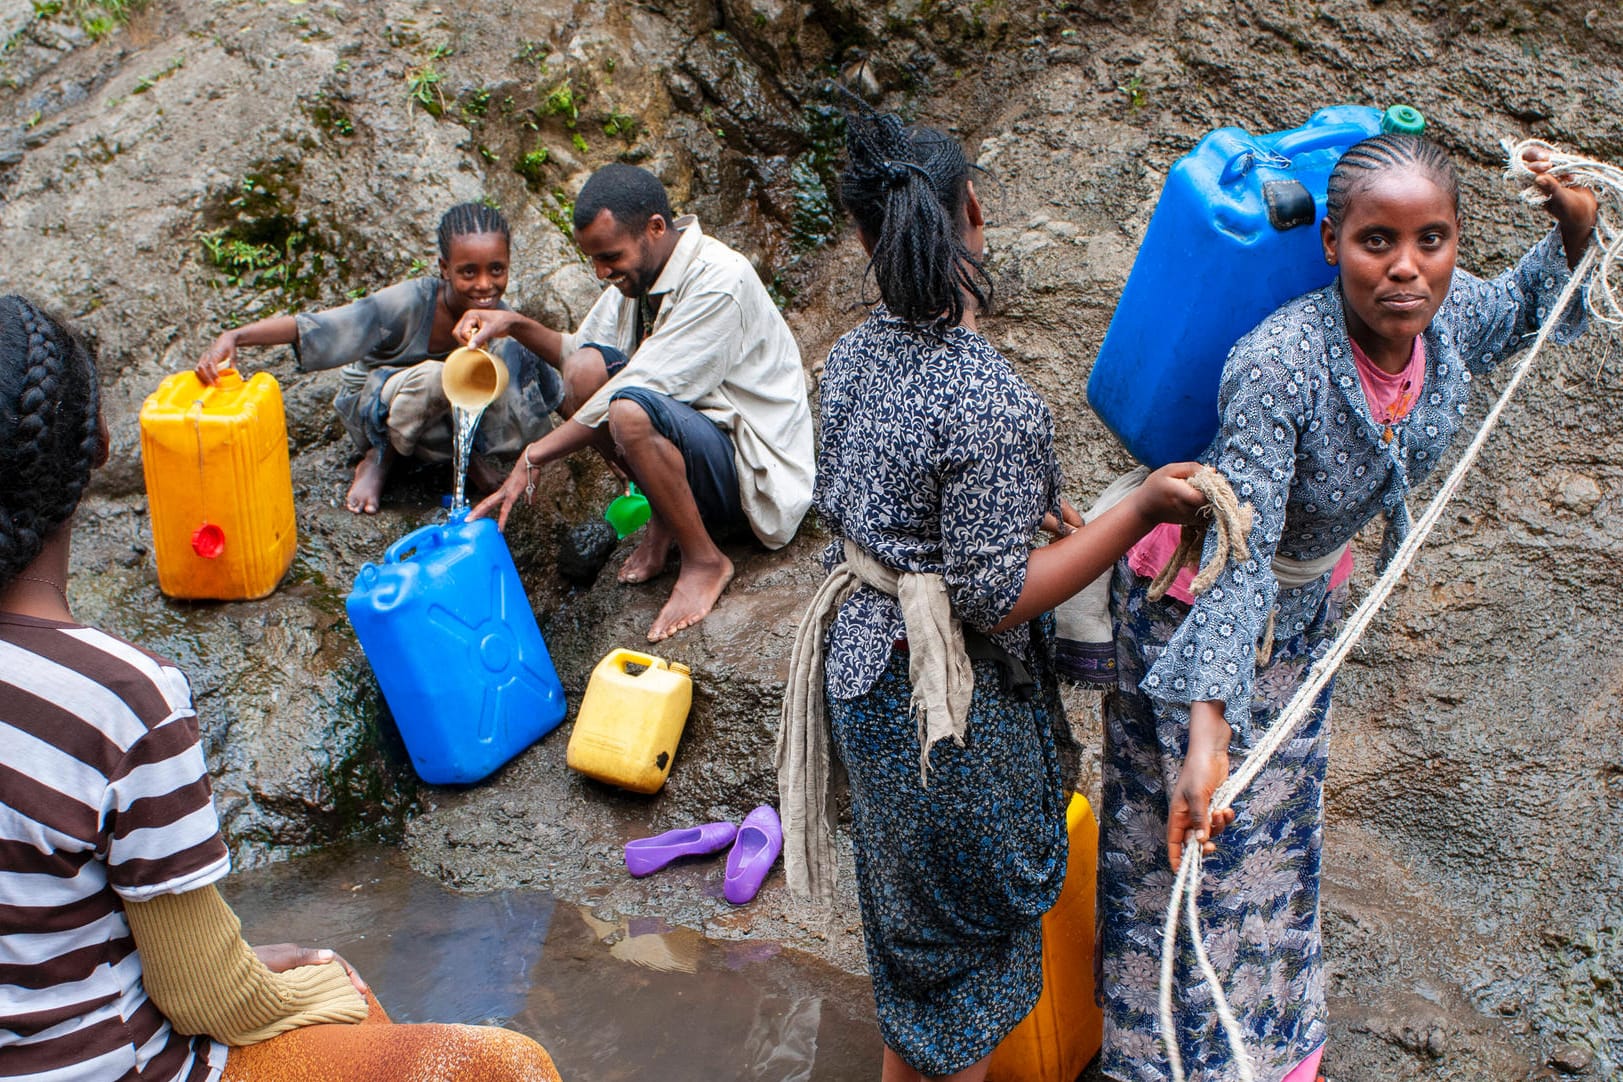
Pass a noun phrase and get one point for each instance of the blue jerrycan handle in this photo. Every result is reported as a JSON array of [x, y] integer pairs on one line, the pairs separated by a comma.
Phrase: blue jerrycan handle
[[1297, 142], [422, 537]]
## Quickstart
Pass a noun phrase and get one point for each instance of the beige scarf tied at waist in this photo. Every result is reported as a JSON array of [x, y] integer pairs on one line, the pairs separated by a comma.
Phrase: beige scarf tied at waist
[[943, 684]]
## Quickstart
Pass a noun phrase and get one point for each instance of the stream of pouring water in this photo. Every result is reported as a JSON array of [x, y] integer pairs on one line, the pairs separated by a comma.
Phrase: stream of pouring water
[[466, 423]]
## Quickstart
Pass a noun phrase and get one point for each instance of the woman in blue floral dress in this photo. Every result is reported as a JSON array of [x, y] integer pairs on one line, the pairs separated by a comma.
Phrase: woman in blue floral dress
[[1332, 408], [936, 469]]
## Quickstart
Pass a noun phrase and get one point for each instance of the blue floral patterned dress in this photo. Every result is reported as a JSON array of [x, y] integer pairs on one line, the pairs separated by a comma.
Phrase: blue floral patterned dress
[[938, 458], [1298, 443]]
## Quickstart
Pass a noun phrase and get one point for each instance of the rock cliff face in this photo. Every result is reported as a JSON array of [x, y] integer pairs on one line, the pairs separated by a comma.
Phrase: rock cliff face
[[187, 165]]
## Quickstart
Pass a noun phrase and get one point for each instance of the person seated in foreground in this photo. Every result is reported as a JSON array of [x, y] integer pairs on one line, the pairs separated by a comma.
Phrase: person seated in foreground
[[391, 345], [118, 957], [685, 377]]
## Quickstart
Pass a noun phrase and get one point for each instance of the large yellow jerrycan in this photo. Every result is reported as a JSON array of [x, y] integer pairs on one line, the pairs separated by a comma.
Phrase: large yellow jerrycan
[[218, 485], [1064, 1030], [630, 722]]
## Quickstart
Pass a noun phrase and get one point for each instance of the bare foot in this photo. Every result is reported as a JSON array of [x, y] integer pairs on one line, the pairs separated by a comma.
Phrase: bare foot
[[367, 488], [697, 589], [482, 476], [647, 561]]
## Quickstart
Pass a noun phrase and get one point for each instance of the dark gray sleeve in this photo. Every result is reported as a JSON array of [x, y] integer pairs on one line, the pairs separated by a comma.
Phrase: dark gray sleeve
[[384, 328]]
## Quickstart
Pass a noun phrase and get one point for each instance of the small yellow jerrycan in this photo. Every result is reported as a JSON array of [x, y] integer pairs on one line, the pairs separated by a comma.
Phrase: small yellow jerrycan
[[630, 722], [219, 486]]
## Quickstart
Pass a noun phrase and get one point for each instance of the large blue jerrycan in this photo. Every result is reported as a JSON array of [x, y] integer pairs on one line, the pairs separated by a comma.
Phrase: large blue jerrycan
[[450, 635], [1233, 237]]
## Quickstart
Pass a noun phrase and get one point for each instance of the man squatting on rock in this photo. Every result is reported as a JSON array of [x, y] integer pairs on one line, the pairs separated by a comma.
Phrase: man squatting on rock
[[684, 377], [391, 345]]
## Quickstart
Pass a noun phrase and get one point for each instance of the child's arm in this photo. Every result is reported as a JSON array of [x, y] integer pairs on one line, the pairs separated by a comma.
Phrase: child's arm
[[275, 331]]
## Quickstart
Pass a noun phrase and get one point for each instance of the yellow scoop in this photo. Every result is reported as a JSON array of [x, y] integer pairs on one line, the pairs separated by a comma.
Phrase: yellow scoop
[[472, 378]]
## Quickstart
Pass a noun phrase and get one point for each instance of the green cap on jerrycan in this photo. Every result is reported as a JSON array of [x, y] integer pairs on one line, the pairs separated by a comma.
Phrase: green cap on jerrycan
[[1403, 119], [628, 512]]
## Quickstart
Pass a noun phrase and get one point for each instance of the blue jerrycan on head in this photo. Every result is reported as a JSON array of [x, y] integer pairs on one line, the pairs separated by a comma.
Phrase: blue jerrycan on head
[[1234, 236], [450, 635]]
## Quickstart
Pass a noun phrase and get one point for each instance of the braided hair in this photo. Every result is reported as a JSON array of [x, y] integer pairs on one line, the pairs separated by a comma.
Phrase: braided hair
[[907, 189], [469, 220], [1366, 160], [50, 437]]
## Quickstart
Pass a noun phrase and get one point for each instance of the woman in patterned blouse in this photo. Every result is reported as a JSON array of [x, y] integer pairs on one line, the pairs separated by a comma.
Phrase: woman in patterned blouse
[[1331, 409], [937, 466]]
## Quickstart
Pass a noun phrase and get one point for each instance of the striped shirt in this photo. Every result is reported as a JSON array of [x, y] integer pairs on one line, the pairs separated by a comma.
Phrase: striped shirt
[[103, 796]]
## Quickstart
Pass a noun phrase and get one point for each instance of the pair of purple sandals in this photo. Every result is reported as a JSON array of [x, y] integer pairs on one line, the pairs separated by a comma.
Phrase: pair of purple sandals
[[756, 844]]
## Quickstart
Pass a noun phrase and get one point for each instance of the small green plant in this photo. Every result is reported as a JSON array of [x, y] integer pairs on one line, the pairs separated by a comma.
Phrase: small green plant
[[423, 87], [622, 124], [532, 52], [560, 102], [1134, 89], [578, 141], [440, 52], [236, 258], [608, 64], [34, 119], [417, 267], [98, 18], [560, 211], [147, 82], [529, 164], [491, 202], [478, 103], [487, 154], [356, 293]]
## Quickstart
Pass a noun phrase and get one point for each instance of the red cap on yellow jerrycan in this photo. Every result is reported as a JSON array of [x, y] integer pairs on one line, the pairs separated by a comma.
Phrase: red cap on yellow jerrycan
[[630, 721], [216, 466]]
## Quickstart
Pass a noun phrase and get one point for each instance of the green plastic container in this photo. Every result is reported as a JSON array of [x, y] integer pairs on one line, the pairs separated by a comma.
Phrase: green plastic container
[[628, 512]]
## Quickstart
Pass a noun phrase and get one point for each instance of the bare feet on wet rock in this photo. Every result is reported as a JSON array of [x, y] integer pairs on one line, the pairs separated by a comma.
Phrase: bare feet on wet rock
[[648, 560], [367, 488], [698, 586]]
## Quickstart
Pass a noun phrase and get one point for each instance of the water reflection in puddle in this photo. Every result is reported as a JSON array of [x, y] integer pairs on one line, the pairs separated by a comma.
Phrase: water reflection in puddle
[[610, 999]]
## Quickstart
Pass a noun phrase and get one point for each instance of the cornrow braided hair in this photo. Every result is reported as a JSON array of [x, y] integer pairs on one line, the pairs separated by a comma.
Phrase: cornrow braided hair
[[906, 188], [468, 220], [1366, 160], [49, 429]]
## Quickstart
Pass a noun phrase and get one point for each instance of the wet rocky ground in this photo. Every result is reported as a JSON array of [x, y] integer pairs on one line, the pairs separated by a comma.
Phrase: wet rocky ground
[[189, 165]]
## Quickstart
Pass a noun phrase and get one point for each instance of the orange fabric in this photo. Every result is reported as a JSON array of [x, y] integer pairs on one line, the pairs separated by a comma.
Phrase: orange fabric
[[378, 1050]]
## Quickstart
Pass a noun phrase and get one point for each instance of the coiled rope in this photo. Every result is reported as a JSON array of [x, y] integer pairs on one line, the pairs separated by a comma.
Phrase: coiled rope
[[1606, 306]]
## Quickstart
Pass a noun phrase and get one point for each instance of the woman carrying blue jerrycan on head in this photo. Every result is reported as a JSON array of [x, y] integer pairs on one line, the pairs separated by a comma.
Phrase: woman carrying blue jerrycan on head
[[937, 467], [1331, 409]]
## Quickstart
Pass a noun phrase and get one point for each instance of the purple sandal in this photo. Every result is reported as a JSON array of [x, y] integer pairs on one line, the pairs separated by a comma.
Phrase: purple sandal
[[760, 840], [647, 855]]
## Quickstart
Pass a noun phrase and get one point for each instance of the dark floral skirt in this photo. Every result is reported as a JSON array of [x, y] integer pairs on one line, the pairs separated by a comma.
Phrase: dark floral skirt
[[953, 878], [1259, 903]]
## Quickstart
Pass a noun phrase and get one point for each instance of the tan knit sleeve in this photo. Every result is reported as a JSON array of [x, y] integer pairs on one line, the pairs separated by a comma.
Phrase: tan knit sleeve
[[205, 979]]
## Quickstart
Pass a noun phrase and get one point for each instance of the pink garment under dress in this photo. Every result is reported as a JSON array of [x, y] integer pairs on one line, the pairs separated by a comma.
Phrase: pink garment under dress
[[1389, 396]]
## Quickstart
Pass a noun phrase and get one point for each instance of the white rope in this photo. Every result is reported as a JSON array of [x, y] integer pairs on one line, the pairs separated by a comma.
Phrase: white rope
[[1603, 252]]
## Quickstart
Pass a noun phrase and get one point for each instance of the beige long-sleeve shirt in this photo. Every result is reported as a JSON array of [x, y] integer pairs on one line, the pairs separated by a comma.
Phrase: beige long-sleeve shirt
[[720, 345]]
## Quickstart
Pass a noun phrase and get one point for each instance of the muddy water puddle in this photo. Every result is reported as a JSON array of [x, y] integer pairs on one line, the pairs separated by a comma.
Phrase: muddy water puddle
[[610, 997]]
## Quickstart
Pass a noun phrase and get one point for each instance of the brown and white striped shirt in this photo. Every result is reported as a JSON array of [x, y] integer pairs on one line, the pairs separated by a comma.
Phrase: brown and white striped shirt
[[103, 796]]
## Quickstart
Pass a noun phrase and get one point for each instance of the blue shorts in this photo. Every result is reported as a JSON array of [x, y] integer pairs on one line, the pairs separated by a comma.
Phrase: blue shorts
[[707, 451]]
